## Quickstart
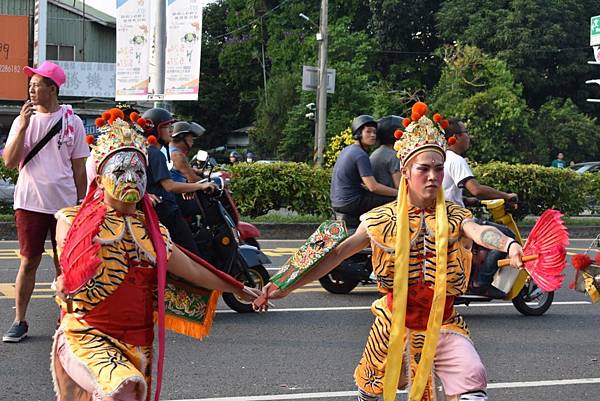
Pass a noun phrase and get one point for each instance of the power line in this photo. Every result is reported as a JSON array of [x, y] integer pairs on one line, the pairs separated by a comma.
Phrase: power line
[[253, 21]]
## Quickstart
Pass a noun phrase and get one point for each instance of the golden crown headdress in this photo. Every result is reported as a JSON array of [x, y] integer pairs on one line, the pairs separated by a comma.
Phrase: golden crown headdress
[[117, 135], [420, 134]]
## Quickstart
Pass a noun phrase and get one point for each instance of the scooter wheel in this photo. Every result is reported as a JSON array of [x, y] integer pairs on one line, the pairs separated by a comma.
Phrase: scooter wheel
[[260, 276], [336, 286], [532, 301]]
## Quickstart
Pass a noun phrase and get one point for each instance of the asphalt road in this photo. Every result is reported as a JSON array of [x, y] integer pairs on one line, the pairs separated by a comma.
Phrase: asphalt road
[[308, 347]]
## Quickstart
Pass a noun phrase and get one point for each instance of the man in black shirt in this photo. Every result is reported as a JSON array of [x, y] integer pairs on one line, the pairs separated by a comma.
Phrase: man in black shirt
[[160, 184]]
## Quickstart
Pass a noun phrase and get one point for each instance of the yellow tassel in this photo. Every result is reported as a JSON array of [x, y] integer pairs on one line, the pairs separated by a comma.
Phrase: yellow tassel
[[436, 314], [402, 253]]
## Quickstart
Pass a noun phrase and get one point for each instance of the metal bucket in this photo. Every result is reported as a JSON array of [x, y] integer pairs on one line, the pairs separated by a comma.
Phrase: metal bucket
[[505, 278]]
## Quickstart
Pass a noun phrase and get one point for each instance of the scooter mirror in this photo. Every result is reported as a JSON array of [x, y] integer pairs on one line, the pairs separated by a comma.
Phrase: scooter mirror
[[202, 155]]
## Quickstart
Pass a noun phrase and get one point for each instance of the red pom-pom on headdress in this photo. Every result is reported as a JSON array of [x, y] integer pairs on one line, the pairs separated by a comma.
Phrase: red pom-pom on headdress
[[597, 259], [398, 134], [133, 117], [406, 122], [580, 261], [89, 139], [420, 108], [444, 124], [106, 115], [415, 116], [437, 117], [452, 140], [152, 140], [100, 122]]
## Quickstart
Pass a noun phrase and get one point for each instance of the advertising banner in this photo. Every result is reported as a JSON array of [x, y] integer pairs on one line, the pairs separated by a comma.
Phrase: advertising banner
[[133, 49], [182, 56], [88, 79], [14, 31]]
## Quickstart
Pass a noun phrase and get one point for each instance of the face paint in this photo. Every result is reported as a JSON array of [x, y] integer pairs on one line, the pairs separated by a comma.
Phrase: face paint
[[123, 177]]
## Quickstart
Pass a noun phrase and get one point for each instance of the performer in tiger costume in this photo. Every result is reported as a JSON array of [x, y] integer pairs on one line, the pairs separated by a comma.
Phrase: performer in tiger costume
[[422, 260], [114, 258]]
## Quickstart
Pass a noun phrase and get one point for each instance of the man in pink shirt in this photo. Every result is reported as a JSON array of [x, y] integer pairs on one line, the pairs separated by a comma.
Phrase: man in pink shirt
[[50, 179]]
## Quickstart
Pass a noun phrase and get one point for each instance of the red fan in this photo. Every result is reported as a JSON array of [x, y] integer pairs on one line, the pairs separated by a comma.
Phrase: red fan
[[545, 251]]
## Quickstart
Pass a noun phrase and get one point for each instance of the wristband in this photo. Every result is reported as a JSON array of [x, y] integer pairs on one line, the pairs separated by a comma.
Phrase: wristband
[[509, 245]]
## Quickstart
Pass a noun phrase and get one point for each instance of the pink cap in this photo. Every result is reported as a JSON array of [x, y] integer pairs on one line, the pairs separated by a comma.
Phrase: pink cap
[[48, 70]]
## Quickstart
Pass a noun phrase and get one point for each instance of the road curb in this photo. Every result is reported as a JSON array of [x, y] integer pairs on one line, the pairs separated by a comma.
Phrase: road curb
[[8, 230]]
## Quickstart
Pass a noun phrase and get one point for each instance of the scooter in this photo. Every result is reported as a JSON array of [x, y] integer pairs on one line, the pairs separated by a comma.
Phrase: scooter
[[249, 233], [527, 298], [218, 240]]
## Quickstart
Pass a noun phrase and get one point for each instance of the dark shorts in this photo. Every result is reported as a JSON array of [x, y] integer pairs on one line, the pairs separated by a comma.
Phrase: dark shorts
[[32, 229]]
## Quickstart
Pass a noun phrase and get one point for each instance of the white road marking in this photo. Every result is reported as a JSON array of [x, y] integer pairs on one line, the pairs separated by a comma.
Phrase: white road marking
[[352, 393], [352, 308]]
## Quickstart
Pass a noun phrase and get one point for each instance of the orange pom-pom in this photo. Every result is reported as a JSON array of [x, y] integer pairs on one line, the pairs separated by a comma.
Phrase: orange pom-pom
[[580, 261], [452, 140], [111, 120], [89, 139], [106, 115], [398, 134], [141, 122], [437, 117], [117, 113], [415, 116], [406, 122], [152, 140], [420, 108], [133, 117], [444, 124], [100, 122], [597, 259]]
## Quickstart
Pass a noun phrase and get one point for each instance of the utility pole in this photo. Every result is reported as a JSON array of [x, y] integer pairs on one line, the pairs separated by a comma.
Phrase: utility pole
[[157, 79], [322, 87]]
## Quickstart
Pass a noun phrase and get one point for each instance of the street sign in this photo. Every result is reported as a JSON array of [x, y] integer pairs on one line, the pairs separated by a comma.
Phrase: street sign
[[310, 79], [595, 31]]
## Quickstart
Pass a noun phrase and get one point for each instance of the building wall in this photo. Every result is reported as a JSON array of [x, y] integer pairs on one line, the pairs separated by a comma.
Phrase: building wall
[[66, 28]]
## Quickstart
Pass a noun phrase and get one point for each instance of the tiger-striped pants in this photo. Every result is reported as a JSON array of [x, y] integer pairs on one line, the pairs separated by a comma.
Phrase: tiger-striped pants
[[456, 362]]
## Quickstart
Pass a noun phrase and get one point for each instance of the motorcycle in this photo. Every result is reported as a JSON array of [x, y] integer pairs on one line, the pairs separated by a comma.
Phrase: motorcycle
[[218, 240], [249, 233], [526, 297]]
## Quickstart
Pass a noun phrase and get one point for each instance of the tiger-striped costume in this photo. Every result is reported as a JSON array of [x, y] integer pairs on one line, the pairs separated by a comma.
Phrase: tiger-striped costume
[[98, 344], [381, 228]]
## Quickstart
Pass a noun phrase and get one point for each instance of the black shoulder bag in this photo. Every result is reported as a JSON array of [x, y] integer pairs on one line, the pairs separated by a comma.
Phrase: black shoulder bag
[[38, 146]]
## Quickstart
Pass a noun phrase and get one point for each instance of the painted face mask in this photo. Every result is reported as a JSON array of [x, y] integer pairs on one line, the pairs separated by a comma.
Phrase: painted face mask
[[123, 177]]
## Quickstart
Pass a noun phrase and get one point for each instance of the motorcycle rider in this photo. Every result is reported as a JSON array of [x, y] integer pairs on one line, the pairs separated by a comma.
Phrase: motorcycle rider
[[234, 157], [182, 140], [386, 166], [159, 123], [457, 176], [354, 189]]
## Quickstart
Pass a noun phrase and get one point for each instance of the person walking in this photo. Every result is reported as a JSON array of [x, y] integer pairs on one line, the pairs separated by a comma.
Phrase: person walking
[[47, 144]]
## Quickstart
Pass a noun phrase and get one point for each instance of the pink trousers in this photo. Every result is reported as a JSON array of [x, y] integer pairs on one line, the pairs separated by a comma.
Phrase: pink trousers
[[458, 365]]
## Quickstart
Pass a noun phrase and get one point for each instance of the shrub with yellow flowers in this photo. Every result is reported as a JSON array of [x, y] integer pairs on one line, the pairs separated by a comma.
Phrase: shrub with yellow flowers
[[336, 144]]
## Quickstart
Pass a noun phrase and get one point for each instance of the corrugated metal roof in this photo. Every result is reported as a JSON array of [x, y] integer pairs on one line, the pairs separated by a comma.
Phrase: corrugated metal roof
[[77, 7]]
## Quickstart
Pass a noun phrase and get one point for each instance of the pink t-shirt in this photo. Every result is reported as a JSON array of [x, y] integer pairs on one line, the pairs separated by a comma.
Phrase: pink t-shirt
[[46, 183]]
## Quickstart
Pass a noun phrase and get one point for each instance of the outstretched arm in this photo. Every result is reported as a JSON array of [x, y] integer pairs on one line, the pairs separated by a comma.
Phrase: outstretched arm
[[182, 266], [492, 238], [486, 192], [353, 244]]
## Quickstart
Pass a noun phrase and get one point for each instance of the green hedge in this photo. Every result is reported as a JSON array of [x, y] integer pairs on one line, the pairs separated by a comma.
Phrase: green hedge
[[299, 187], [258, 188], [539, 188]]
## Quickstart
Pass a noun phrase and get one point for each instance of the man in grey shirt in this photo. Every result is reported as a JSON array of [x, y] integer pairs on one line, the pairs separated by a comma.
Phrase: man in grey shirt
[[385, 163]]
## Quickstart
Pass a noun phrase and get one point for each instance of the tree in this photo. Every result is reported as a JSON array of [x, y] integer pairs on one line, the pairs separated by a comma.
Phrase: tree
[[567, 130], [542, 41], [481, 91]]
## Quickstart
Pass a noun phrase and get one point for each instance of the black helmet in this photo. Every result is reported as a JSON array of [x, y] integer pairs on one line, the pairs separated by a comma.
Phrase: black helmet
[[156, 117], [234, 154], [181, 128], [386, 127], [359, 122]]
